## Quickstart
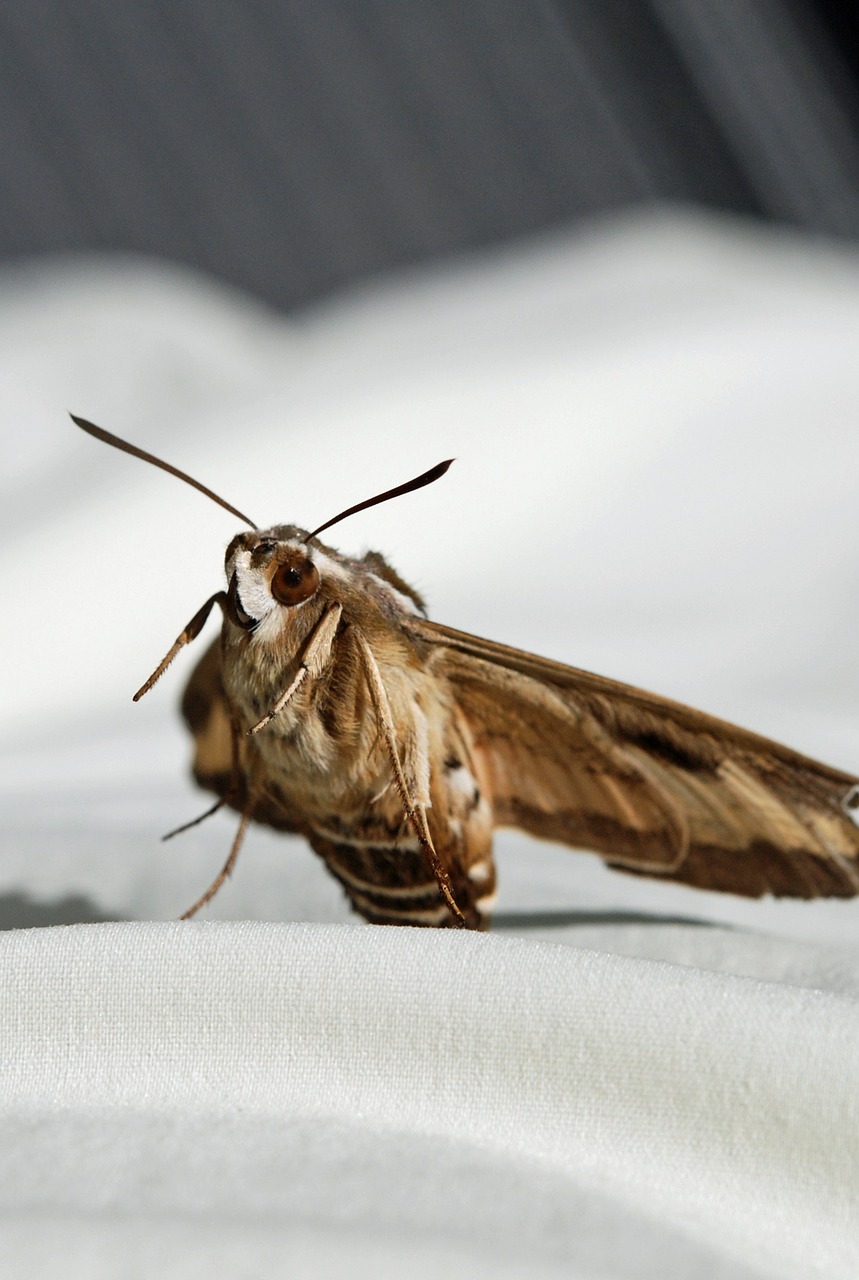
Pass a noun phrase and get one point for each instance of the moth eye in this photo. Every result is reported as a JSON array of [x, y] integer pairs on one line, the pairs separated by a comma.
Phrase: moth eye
[[295, 581]]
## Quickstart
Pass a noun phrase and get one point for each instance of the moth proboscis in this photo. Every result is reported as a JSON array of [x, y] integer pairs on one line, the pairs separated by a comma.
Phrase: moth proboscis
[[333, 707]]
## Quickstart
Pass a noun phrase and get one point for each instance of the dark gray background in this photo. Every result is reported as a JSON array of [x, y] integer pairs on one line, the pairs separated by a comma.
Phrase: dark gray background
[[292, 147]]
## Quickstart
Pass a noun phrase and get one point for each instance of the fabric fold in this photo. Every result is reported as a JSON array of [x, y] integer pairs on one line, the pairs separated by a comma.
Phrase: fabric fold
[[690, 1097]]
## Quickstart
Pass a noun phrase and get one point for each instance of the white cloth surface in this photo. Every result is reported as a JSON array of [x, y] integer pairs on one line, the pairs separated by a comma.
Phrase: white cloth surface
[[364, 1076], [655, 426]]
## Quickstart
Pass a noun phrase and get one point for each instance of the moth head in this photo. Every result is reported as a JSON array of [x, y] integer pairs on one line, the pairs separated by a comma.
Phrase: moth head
[[283, 574], [270, 571]]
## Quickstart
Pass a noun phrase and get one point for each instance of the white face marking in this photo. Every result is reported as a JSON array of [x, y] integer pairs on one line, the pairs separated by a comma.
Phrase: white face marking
[[270, 628], [254, 594], [327, 567], [259, 604]]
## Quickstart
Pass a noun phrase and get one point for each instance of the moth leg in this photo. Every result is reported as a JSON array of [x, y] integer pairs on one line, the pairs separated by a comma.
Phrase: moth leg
[[316, 658], [415, 814], [195, 822], [281, 702], [190, 632], [226, 870], [234, 793]]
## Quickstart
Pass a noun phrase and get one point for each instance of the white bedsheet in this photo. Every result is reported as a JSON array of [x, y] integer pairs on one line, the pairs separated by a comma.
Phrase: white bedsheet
[[655, 425]]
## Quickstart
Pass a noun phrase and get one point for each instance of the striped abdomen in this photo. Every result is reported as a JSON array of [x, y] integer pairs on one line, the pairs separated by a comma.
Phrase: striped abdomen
[[387, 876]]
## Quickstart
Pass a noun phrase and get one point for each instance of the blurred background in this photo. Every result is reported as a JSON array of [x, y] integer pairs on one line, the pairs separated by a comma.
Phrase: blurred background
[[291, 148], [602, 251]]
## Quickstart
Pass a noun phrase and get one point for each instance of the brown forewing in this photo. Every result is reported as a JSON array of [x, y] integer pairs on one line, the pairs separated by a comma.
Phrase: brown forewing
[[654, 787]]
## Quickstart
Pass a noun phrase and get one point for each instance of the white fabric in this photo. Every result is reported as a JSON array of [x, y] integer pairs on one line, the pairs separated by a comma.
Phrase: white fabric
[[655, 431], [268, 1069]]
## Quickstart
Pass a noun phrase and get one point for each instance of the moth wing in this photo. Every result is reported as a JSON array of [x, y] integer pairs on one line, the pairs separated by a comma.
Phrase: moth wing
[[206, 713], [654, 787]]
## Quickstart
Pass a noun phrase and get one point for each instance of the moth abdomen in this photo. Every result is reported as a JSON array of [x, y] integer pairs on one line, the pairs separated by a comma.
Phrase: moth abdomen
[[391, 883]]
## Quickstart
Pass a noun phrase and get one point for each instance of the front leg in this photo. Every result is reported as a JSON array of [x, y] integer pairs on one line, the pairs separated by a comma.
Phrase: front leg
[[415, 811], [316, 657], [189, 633]]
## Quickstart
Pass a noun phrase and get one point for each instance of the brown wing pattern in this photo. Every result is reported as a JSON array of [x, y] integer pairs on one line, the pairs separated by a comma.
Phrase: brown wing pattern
[[204, 710], [654, 787]]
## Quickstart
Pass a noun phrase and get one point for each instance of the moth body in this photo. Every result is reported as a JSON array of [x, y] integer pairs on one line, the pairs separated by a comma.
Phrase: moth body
[[322, 764]]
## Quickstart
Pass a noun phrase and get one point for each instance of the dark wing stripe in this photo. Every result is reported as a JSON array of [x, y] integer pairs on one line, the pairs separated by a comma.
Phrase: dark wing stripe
[[654, 787]]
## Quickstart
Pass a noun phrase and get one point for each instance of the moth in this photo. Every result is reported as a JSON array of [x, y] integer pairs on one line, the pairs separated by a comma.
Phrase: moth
[[332, 706]]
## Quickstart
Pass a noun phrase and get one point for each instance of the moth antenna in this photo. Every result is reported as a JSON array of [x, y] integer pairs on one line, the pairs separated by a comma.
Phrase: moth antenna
[[108, 438], [434, 473]]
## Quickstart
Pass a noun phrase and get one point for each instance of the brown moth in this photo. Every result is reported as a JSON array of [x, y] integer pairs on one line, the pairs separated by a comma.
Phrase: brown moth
[[331, 706]]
